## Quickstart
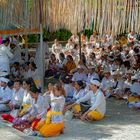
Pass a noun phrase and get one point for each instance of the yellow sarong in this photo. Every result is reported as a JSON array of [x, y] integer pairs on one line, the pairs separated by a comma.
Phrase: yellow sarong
[[76, 108], [48, 129], [95, 115], [52, 129], [133, 99], [47, 121], [25, 107]]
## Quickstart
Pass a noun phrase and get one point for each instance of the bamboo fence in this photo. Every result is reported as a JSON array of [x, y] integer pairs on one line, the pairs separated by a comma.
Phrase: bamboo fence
[[104, 16]]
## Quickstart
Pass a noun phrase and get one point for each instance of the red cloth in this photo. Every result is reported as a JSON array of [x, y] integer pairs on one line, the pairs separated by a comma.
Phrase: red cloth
[[7, 117], [34, 124], [22, 126]]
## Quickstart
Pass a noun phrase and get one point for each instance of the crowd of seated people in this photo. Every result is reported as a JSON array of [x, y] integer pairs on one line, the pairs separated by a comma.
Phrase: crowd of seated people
[[83, 83]]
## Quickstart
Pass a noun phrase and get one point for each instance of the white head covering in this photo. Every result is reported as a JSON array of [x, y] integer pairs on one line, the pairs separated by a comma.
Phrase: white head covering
[[2, 79], [95, 82]]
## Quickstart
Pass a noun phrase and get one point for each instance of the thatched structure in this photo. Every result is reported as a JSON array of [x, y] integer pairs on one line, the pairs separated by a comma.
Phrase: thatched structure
[[18, 16], [104, 16]]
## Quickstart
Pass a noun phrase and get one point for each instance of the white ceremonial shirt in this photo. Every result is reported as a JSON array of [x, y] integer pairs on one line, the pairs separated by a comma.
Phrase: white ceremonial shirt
[[75, 39], [106, 83], [27, 99], [127, 84], [118, 84], [47, 100], [69, 47], [79, 77], [17, 97], [79, 95], [57, 105], [92, 76], [56, 48], [97, 100], [6, 94], [38, 107], [5, 54], [69, 89], [135, 88]]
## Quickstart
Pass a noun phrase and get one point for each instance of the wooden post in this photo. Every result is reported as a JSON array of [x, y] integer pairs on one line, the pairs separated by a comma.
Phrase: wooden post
[[80, 45], [41, 45], [26, 48]]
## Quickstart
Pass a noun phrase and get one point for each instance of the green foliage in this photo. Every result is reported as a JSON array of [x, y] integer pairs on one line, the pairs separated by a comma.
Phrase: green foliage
[[33, 38], [61, 34], [88, 32]]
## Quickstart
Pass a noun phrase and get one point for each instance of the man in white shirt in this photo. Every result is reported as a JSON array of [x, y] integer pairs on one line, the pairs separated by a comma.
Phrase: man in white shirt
[[89, 50], [75, 38], [117, 85], [69, 46], [93, 39], [16, 52], [5, 95], [134, 98], [109, 38], [62, 61], [98, 102], [56, 48], [91, 74], [128, 80], [5, 55], [110, 64], [35, 74]]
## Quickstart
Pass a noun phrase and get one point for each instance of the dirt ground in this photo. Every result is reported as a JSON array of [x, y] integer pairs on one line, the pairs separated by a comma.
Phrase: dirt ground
[[120, 123]]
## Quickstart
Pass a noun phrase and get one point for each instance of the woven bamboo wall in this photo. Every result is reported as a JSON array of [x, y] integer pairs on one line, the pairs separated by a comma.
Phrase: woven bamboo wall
[[114, 16]]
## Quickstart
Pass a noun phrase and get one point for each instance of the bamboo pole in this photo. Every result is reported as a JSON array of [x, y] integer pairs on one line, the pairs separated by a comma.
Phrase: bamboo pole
[[40, 2]]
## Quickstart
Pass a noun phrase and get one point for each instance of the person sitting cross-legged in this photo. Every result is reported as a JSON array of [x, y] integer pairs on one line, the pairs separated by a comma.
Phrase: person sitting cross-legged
[[98, 103], [15, 103], [5, 94]]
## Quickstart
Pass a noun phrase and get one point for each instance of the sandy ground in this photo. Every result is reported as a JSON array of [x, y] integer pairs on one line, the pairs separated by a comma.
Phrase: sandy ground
[[120, 123]]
